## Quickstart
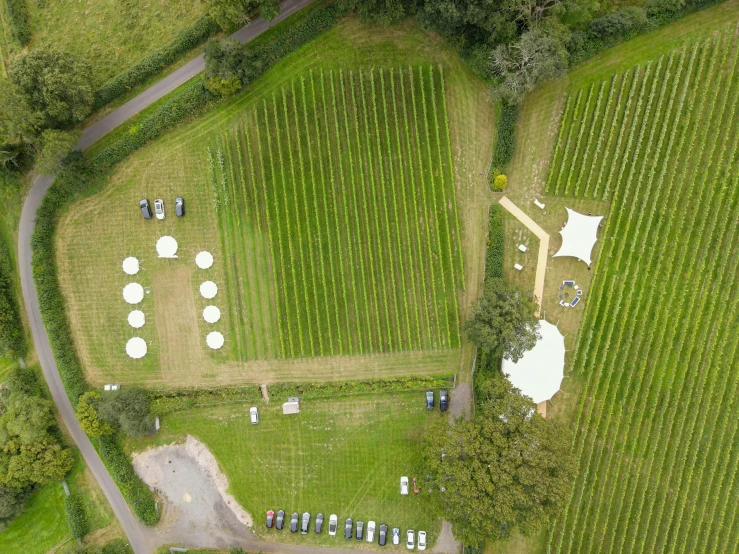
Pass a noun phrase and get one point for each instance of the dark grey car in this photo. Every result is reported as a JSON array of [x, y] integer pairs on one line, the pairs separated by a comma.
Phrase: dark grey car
[[429, 400], [294, 523], [145, 208], [179, 206], [319, 524], [360, 530], [443, 400], [383, 534], [305, 524], [348, 528], [280, 524]]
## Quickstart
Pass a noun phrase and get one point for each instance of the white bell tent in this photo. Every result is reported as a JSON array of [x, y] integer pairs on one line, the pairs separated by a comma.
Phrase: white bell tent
[[131, 266], [167, 247], [204, 260], [214, 340], [538, 374], [208, 289], [579, 236], [136, 348], [133, 293], [211, 314], [136, 319]]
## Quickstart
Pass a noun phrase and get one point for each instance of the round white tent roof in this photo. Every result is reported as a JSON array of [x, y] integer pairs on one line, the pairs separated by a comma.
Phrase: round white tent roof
[[136, 348], [538, 374], [167, 247], [211, 314], [136, 319], [131, 266], [208, 289], [133, 293], [204, 260], [579, 235], [214, 340]]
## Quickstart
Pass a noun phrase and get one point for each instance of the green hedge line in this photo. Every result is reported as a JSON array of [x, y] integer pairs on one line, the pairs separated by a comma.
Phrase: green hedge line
[[496, 243], [186, 40], [164, 402], [12, 337], [505, 140], [18, 19], [76, 516]]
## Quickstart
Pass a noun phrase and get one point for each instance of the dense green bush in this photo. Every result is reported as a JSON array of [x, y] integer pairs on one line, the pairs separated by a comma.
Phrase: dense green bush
[[496, 243], [152, 64], [18, 19], [500, 182], [76, 516], [620, 24], [117, 546], [12, 338], [505, 140]]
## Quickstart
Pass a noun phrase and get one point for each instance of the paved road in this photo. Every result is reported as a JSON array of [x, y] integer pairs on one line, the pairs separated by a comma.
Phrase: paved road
[[134, 531]]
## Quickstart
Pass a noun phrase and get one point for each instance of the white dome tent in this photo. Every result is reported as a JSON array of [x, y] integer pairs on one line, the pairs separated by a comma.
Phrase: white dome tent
[[211, 314], [167, 247], [215, 340], [204, 260], [539, 373], [133, 293], [208, 289], [136, 348], [130, 266], [579, 236], [136, 319]]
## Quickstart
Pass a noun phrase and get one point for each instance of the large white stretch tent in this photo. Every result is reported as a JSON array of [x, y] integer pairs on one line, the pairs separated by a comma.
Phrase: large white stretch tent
[[579, 235], [167, 247], [538, 374]]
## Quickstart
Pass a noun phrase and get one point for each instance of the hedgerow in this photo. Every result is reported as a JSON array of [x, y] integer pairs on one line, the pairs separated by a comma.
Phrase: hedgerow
[[496, 244], [76, 516], [505, 141], [18, 19], [12, 338]]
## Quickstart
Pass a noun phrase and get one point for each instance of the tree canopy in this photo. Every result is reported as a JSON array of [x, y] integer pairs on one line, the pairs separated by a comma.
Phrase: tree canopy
[[129, 410], [87, 415], [231, 13]]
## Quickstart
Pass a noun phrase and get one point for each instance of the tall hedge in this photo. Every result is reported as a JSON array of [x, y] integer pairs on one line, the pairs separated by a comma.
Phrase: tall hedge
[[187, 39], [18, 19], [76, 516], [496, 243], [505, 140], [12, 337]]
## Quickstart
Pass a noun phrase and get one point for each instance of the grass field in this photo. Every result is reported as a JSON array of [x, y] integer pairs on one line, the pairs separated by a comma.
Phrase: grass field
[[340, 188], [343, 455], [98, 232], [657, 420]]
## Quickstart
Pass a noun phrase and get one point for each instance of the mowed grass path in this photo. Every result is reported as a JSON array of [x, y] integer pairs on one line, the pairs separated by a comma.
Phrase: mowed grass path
[[343, 455], [340, 187], [656, 427]]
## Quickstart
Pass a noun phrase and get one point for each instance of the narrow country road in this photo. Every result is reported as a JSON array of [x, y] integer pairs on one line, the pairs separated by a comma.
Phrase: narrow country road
[[129, 523]]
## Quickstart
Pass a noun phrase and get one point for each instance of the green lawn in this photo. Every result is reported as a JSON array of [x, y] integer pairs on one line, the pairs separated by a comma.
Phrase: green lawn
[[343, 455]]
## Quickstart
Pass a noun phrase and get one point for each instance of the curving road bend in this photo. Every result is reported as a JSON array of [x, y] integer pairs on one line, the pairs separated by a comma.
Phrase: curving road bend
[[140, 543]]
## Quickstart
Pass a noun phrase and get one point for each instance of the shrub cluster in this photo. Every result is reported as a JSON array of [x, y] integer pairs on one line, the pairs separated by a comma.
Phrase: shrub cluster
[[76, 516], [500, 182], [12, 338], [18, 19], [496, 243], [505, 141], [185, 40]]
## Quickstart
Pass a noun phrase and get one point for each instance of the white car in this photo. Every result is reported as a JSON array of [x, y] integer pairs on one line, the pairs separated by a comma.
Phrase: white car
[[370, 531], [404, 485], [410, 539], [422, 540], [396, 535], [333, 524], [254, 415], [159, 208]]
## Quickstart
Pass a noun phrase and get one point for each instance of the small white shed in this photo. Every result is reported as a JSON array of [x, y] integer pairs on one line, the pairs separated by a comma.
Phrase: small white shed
[[292, 406]]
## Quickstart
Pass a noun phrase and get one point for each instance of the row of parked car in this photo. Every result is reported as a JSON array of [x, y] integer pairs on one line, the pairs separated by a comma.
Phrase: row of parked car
[[443, 400], [351, 529], [179, 207]]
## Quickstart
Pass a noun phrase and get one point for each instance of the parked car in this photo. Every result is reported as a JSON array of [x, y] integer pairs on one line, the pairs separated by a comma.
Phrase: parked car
[[319, 524], [360, 530], [443, 400], [179, 206], [145, 208], [410, 539], [253, 415], [305, 524], [333, 524], [370, 531], [430, 400], [280, 524], [422, 540], [159, 208], [348, 528], [382, 539], [396, 535], [294, 523], [404, 485], [270, 519]]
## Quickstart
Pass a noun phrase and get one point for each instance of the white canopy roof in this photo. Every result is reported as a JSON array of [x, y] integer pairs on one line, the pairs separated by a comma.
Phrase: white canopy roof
[[136, 319], [538, 374], [136, 348], [167, 247], [133, 293], [208, 289], [131, 266], [214, 340], [204, 260], [579, 235], [211, 314]]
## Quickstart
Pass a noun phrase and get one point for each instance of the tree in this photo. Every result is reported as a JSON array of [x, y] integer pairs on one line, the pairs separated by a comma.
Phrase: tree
[[19, 122], [12, 503], [470, 22], [87, 415], [129, 410], [27, 418], [506, 468], [36, 463], [531, 12], [55, 145], [377, 12], [230, 13], [503, 321], [56, 84]]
